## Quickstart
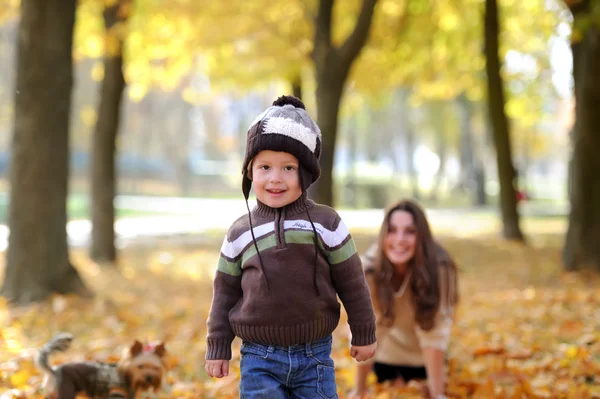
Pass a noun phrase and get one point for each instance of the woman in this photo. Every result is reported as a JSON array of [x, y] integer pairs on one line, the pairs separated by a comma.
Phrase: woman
[[414, 289]]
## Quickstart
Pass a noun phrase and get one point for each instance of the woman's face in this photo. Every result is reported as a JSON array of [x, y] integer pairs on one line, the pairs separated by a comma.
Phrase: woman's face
[[401, 239]]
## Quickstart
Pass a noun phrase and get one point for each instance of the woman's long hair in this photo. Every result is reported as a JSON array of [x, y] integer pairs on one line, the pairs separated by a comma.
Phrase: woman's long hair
[[426, 265]]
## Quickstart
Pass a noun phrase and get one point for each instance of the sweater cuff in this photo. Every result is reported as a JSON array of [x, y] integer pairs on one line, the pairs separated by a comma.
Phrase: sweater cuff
[[218, 349], [363, 334]]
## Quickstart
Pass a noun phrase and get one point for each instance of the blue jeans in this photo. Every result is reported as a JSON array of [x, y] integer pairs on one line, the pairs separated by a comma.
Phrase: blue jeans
[[287, 372]]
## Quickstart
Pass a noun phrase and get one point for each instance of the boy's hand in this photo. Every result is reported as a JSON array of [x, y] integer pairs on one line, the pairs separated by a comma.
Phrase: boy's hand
[[362, 353], [217, 368]]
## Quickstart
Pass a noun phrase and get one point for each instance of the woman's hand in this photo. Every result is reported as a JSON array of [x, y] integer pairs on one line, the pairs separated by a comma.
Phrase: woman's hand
[[362, 353], [356, 395]]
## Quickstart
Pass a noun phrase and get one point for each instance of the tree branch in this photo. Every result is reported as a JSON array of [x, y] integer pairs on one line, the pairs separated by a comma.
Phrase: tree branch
[[357, 39], [577, 6], [323, 30]]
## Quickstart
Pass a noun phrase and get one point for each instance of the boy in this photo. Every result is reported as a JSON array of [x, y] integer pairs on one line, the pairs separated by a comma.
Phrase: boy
[[282, 267]]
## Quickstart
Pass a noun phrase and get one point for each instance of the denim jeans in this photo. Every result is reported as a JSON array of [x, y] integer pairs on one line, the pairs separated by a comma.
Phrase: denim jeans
[[287, 372]]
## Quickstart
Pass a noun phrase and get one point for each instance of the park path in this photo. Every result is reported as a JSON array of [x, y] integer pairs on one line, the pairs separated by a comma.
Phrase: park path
[[194, 216]]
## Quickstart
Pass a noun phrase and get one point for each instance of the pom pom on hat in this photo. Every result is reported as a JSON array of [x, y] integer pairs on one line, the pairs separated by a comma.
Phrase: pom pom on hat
[[291, 100]]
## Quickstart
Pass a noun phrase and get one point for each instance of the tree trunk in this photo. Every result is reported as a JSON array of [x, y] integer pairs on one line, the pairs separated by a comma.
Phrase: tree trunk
[[472, 180], [102, 247], [296, 84], [328, 104], [332, 66], [583, 234], [37, 260], [352, 183], [176, 140], [442, 153], [436, 111], [506, 172], [479, 196], [183, 171], [405, 121], [411, 149], [466, 155]]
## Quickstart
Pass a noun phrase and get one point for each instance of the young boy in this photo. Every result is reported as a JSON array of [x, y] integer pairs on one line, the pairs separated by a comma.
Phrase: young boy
[[282, 267]]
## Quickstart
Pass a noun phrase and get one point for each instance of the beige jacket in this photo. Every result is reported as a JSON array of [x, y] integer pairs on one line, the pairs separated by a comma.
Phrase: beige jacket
[[402, 343]]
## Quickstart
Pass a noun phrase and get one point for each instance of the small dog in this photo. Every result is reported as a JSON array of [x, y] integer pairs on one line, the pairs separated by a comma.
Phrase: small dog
[[139, 369]]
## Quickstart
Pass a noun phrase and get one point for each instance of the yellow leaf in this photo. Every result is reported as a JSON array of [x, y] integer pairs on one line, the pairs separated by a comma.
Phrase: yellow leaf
[[19, 379], [136, 92], [487, 350], [13, 394], [129, 317], [572, 352], [93, 47]]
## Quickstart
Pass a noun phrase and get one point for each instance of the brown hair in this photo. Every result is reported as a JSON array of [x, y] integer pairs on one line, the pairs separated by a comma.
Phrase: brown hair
[[429, 261]]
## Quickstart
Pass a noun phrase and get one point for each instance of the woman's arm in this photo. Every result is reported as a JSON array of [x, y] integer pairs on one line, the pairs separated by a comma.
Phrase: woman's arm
[[362, 372], [435, 341], [434, 363]]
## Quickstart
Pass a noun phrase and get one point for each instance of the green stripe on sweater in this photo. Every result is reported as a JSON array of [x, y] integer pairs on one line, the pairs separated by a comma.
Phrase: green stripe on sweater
[[302, 237], [342, 254], [233, 269]]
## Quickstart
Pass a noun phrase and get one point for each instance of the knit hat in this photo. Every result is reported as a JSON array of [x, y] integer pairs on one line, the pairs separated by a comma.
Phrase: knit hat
[[285, 127]]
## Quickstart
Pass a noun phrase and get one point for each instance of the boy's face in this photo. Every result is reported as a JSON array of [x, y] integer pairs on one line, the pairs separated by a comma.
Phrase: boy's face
[[275, 178]]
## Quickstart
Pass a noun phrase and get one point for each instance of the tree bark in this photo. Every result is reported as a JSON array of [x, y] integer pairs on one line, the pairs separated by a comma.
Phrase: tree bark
[[37, 260], [436, 111], [466, 155], [102, 248], [583, 235], [442, 153], [332, 66], [411, 149], [501, 131], [472, 180], [351, 180], [410, 142], [296, 83]]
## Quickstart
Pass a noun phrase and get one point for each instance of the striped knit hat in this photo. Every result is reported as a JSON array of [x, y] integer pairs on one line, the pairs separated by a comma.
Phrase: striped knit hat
[[285, 127]]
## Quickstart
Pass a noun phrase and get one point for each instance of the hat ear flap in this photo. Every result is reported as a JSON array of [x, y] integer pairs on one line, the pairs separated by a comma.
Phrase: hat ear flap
[[246, 185], [249, 170], [306, 178], [318, 148]]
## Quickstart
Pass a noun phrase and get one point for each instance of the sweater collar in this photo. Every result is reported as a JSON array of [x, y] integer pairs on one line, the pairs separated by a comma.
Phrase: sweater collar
[[404, 285], [294, 208]]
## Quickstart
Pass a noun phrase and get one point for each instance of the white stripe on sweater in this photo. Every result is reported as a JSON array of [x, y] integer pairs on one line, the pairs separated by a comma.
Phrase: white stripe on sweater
[[331, 238]]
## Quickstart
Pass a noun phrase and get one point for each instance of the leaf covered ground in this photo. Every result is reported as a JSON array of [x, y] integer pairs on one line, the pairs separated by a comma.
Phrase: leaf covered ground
[[524, 329]]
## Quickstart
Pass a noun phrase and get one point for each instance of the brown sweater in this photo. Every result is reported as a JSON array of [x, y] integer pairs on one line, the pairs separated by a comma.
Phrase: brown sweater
[[288, 298]]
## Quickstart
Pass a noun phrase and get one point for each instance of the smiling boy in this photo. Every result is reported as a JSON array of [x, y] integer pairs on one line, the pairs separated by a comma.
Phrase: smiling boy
[[282, 267]]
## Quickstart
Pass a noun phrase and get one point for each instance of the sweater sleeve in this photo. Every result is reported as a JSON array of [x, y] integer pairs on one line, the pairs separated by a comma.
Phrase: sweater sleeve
[[227, 291], [439, 336], [351, 286]]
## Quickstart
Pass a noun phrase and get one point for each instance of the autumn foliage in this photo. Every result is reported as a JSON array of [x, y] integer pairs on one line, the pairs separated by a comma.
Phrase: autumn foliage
[[524, 328]]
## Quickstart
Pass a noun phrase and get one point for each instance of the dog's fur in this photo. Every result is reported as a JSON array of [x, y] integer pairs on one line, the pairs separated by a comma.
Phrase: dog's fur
[[139, 369]]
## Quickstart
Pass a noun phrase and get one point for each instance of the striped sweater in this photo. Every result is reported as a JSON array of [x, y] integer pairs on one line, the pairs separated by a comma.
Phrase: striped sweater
[[286, 296]]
